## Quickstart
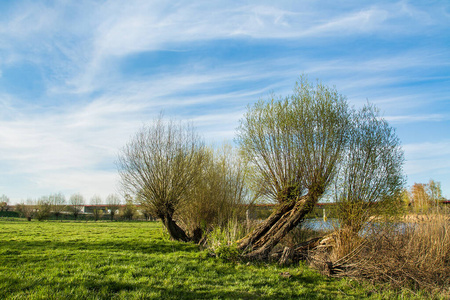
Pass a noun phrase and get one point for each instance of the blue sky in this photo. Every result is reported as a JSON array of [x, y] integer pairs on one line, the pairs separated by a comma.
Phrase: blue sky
[[78, 78]]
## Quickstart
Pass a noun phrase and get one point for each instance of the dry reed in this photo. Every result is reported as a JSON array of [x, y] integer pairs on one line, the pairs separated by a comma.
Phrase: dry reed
[[415, 256]]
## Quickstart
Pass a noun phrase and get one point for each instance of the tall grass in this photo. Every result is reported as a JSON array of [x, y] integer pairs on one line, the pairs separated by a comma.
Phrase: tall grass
[[222, 238], [415, 256]]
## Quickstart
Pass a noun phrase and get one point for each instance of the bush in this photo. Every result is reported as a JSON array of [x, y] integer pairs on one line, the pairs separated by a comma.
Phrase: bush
[[217, 197], [9, 214]]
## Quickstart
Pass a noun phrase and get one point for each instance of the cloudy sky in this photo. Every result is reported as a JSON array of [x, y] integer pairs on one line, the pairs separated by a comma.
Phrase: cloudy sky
[[78, 78]]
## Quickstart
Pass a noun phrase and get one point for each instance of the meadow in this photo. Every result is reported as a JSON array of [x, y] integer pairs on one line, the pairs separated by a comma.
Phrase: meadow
[[137, 260]]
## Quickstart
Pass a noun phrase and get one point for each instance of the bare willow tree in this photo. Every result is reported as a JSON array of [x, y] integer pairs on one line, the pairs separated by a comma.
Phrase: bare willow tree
[[371, 176], [58, 203], [76, 202], [160, 164], [97, 209], [113, 203], [295, 145]]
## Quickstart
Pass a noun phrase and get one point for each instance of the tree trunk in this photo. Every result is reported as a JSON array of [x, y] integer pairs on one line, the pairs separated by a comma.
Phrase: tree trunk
[[175, 231], [286, 258], [197, 235], [265, 226], [261, 247]]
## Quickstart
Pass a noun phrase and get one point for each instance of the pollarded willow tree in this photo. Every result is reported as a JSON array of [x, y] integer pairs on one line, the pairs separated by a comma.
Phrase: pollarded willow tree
[[160, 164], [176, 177], [371, 178], [295, 144]]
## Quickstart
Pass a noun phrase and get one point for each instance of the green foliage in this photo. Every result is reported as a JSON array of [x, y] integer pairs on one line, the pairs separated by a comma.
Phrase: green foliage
[[295, 143], [9, 214], [43, 209], [129, 211], [371, 176]]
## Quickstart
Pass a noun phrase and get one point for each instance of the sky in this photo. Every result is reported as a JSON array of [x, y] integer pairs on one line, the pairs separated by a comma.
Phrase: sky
[[79, 78]]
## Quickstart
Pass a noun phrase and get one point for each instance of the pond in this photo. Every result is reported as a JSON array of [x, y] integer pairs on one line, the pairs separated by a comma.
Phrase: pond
[[319, 224]]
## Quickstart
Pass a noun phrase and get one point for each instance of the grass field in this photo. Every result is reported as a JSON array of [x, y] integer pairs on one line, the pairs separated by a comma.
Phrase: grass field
[[136, 260]]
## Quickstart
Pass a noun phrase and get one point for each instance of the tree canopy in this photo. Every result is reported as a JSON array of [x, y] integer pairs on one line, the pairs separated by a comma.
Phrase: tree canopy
[[296, 142]]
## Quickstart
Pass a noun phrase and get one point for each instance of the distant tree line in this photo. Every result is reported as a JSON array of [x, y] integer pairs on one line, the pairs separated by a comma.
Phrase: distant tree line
[[55, 206]]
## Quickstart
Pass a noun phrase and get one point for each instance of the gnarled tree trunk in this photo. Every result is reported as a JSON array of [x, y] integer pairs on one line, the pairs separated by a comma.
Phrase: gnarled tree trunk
[[274, 229], [175, 231], [266, 225]]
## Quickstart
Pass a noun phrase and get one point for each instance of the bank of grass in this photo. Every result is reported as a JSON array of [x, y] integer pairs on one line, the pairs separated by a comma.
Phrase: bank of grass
[[135, 260]]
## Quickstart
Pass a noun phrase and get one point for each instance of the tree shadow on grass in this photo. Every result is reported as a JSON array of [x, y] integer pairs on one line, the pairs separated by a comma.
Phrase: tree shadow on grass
[[144, 247]]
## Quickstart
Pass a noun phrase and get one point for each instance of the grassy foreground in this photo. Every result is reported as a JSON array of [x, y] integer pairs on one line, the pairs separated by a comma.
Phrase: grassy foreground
[[135, 260]]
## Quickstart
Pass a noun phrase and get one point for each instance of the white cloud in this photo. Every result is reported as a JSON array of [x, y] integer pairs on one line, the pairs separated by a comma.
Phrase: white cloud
[[416, 118], [427, 158], [357, 22]]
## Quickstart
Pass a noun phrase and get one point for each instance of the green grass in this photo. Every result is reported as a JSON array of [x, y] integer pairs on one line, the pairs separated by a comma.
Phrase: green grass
[[135, 260]]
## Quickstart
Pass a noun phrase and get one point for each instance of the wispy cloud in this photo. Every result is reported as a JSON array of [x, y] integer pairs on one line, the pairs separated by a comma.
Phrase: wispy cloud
[[416, 118], [426, 161], [68, 136]]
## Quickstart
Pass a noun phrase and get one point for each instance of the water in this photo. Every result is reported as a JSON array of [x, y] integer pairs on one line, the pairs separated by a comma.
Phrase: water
[[319, 224]]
